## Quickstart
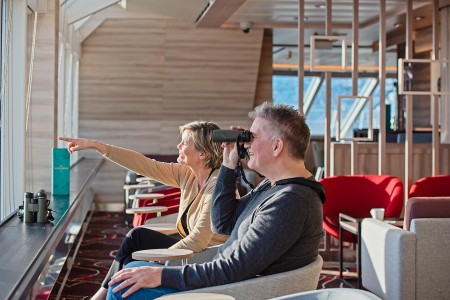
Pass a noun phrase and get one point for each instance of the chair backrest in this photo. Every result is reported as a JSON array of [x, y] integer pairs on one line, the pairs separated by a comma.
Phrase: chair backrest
[[269, 286], [426, 207], [356, 195], [432, 257], [406, 265], [432, 186]]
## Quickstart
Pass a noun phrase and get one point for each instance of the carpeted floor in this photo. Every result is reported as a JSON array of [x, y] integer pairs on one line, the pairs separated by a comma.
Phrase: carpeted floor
[[98, 248]]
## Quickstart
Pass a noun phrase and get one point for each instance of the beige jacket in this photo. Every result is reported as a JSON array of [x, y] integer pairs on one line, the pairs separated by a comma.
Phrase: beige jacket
[[198, 217]]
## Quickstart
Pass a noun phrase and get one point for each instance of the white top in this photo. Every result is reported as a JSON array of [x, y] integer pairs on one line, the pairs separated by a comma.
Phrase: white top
[[162, 254], [166, 228], [146, 209], [196, 296]]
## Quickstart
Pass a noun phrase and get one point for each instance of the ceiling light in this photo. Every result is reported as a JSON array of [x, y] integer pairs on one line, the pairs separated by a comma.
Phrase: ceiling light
[[321, 6], [397, 25], [418, 18]]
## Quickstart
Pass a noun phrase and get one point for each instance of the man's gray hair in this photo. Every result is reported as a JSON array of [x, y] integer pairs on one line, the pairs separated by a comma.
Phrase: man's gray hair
[[287, 124]]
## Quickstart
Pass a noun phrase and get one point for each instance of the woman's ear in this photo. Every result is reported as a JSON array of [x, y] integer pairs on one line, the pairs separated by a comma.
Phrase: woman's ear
[[203, 155]]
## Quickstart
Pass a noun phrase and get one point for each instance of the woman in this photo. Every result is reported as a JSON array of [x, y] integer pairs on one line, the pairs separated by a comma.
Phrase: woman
[[195, 174]]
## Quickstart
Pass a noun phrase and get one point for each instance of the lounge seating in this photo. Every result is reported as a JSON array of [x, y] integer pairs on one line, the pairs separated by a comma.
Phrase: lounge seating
[[171, 200], [266, 287], [356, 195], [402, 264], [432, 186]]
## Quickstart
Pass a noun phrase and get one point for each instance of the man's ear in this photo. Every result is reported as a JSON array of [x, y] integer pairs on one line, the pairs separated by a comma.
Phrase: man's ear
[[277, 146]]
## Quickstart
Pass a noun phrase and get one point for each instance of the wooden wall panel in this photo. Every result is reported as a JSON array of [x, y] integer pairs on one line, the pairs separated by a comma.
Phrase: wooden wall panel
[[140, 79]]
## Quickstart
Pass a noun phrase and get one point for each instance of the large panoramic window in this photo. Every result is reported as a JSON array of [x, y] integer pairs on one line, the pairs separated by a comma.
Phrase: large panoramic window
[[285, 90]]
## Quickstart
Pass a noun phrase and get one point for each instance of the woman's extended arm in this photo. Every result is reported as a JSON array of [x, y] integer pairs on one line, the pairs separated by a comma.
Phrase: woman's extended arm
[[78, 144]]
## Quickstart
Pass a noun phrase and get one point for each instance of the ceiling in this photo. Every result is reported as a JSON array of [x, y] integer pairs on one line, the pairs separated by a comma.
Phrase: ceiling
[[279, 15], [282, 15]]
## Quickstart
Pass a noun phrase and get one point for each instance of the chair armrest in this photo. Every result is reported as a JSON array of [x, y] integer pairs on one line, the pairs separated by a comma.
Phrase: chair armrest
[[388, 260]]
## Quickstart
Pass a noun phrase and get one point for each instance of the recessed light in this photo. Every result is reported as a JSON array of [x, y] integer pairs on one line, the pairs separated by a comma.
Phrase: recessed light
[[397, 25], [418, 18], [321, 6]]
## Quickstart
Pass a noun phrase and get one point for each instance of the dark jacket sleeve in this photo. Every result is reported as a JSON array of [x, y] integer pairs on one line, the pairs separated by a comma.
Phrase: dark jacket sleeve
[[225, 207]]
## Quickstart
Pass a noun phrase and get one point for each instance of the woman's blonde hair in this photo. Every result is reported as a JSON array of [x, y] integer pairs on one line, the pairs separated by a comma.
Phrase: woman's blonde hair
[[201, 134]]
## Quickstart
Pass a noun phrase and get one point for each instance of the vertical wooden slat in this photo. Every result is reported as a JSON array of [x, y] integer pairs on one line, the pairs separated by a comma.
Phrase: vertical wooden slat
[[355, 64], [301, 54], [435, 98], [409, 104], [382, 83], [327, 135]]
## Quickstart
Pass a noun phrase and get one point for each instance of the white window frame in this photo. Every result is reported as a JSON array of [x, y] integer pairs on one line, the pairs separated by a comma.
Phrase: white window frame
[[13, 94]]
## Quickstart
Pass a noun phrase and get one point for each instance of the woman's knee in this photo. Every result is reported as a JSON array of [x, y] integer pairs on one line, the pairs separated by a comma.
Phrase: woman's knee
[[135, 232]]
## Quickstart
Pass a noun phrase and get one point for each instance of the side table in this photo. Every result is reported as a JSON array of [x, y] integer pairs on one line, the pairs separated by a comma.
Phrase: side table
[[147, 209], [353, 225], [166, 228]]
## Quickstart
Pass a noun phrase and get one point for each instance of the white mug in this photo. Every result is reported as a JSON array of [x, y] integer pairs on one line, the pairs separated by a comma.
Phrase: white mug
[[377, 213]]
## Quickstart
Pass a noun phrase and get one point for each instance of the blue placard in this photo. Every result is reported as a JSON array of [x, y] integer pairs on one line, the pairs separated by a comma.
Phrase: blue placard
[[61, 171]]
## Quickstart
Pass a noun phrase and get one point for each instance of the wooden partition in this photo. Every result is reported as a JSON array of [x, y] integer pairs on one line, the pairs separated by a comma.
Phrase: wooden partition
[[140, 79]]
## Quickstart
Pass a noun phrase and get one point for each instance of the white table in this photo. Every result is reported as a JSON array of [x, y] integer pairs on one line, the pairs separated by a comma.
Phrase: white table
[[196, 296], [154, 196], [166, 228], [163, 255], [147, 209]]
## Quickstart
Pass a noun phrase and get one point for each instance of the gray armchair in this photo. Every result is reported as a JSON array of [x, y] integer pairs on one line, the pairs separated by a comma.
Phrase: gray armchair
[[405, 265], [266, 287]]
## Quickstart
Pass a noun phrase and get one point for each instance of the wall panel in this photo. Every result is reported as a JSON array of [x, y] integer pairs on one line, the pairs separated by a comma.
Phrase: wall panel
[[140, 79]]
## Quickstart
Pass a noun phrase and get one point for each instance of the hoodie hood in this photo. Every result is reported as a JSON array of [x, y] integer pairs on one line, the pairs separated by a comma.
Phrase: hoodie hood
[[309, 182]]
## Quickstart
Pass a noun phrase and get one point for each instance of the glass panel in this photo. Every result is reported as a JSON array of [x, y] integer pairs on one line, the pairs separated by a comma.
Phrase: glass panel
[[316, 115], [391, 107]]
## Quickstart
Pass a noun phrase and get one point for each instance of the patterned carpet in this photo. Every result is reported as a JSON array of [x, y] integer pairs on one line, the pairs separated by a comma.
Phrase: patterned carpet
[[98, 249]]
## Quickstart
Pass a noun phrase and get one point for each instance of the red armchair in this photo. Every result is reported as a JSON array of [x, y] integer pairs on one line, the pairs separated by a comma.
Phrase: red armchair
[[432, 186], [356, 195], [171, 200]]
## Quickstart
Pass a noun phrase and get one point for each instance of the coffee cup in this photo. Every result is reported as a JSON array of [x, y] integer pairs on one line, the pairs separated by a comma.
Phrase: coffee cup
[[377, 213]]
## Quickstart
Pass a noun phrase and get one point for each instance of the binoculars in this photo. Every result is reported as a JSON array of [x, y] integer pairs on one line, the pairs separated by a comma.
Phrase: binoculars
[[35, 208]]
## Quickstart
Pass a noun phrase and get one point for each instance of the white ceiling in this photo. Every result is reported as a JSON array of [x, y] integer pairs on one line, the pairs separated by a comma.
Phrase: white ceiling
[[281, 15]]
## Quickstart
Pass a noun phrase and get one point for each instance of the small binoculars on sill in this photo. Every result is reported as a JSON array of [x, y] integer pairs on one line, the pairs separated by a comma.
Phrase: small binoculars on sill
[[36, 208]]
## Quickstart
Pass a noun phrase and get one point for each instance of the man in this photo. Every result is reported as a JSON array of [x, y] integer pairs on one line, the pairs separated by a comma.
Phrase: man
[[275, 228]]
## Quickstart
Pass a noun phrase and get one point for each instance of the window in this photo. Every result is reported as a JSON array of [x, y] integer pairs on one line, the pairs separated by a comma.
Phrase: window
[[285, 90]]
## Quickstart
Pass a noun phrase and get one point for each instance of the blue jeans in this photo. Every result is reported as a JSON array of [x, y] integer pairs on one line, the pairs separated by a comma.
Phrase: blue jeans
[[141, 294]]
